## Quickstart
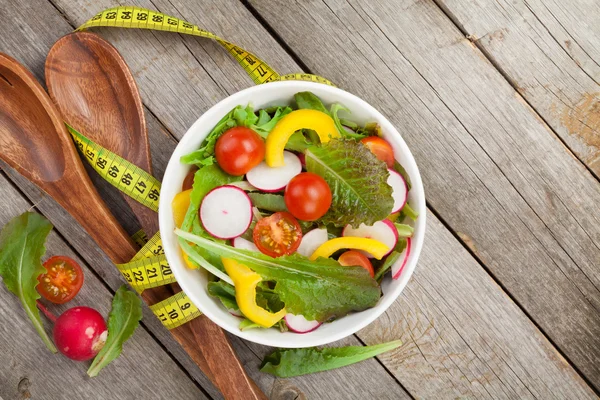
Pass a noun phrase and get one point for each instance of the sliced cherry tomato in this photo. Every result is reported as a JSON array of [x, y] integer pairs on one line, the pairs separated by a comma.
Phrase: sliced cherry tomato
[[381, 148], [354, 257], [307, 196], [188, 182], [61, 281], [277, 235], [239, 149]]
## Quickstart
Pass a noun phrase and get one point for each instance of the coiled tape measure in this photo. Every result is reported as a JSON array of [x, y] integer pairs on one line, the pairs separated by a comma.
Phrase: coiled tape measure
[[149, 267]]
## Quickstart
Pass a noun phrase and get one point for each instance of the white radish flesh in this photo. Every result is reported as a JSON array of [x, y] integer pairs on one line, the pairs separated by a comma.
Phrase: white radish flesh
[[398, 266], [275, 179], [399, 190], [226, 212], [299, 324], [382, 231], [241, 243], [311, 241]]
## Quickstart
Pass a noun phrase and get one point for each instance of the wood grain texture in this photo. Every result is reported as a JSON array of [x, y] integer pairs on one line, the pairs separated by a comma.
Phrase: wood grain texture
[[523, 204], [28, 367], [316, 386], [550, 52]]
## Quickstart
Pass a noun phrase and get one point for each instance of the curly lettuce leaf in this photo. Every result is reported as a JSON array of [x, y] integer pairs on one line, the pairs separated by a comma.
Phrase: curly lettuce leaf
[[286, 363], [319, 290], [124, 318], [357, 179], [21, 249]]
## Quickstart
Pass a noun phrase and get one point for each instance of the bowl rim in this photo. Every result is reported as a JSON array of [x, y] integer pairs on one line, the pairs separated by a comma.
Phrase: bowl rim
[[171, 246]]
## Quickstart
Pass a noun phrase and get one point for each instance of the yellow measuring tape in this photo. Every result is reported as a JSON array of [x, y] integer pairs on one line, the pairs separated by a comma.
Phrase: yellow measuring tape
[[149, 267]]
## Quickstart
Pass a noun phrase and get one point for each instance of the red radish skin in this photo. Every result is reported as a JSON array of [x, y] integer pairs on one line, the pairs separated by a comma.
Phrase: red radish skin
[[398, 266], [383, 231], [275, 179], [400, 190], [235, 313], [302, 159], [299, 324], [226, 212], [79, 333]]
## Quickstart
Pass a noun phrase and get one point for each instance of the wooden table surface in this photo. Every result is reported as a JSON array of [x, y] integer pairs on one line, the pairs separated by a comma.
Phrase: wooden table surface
[[499, 102]]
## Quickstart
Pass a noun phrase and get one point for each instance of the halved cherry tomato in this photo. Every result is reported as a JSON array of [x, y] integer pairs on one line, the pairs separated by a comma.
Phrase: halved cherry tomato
[[354, 257], [381, 148], [188, 182], [277, 235], [61, 281], [239, 149], [307, 196]]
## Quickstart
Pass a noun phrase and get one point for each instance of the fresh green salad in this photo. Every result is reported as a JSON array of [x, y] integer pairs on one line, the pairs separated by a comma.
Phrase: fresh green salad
[[295, 212]]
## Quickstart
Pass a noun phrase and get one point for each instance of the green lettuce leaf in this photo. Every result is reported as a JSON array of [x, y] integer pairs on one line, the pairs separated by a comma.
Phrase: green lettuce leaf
[[224, 292], [268, 201], [308, 100], [124, 318], [21, 249], [334, 111], [400, 169], [286, 363], [357, 179], [266, 123], [319, 290], [407, 211]]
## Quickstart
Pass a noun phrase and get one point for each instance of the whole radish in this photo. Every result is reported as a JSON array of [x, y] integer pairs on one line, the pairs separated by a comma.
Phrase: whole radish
[[80, 333]]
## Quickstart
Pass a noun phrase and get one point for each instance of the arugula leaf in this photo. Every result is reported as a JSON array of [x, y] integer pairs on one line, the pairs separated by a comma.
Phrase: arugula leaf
[[391, 258], [400, 169], [407, 211], [123, 320], [264, 126], [21, 248], [308, 100], [357, 179], [319, 290], [286, 363], [268, 201], [224, 292], [334, 111], [404, 230]]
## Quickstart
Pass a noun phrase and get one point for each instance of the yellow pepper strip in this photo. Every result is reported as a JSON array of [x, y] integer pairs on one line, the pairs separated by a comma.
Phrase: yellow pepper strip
[[180, 205], [372, 246], [245, 281], [318, 121]]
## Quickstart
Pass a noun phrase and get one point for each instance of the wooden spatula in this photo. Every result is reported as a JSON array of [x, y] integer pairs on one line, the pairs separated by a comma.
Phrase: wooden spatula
[[94, 89]]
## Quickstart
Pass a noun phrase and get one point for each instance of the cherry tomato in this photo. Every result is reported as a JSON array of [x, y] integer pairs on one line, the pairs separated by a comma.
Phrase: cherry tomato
[[381, 148], [307, 196], [239, 149], [61, 281], [188, 182], [277, 235], [354, 257]]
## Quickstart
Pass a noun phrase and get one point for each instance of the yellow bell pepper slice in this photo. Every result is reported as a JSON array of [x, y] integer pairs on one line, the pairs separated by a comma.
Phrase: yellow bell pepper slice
[[180, 205], [318, 121], [372, 246], [245, 281]]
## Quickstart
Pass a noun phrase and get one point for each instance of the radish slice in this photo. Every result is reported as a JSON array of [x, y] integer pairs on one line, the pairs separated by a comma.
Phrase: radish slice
[[241, 243], [383, 231], [400, 190], [398, 266], [311, 241], [226, 212], [235, 313], [299, 324], [270, 179]]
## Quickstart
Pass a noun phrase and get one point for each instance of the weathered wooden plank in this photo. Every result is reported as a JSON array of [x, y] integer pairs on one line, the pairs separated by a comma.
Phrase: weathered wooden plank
[[162, 146], [550, 52], [28, 366], [519, 200]]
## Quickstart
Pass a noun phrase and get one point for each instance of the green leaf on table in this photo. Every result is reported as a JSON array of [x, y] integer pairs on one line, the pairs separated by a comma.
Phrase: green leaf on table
[[21, 249], [286, 363], [319, 290], [124, 318], [268, 201], [357, 179]]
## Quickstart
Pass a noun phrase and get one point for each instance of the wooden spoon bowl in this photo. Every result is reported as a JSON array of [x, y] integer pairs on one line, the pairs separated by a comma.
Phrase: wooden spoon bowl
[[95, 92], [35, 142]]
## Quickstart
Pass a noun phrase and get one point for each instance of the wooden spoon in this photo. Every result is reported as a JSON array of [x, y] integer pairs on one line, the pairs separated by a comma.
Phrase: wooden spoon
[[96, 94], [35, 142], [89, 80]]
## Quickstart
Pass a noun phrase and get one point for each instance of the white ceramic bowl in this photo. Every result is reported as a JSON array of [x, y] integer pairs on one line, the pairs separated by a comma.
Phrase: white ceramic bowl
[[193, 282]]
